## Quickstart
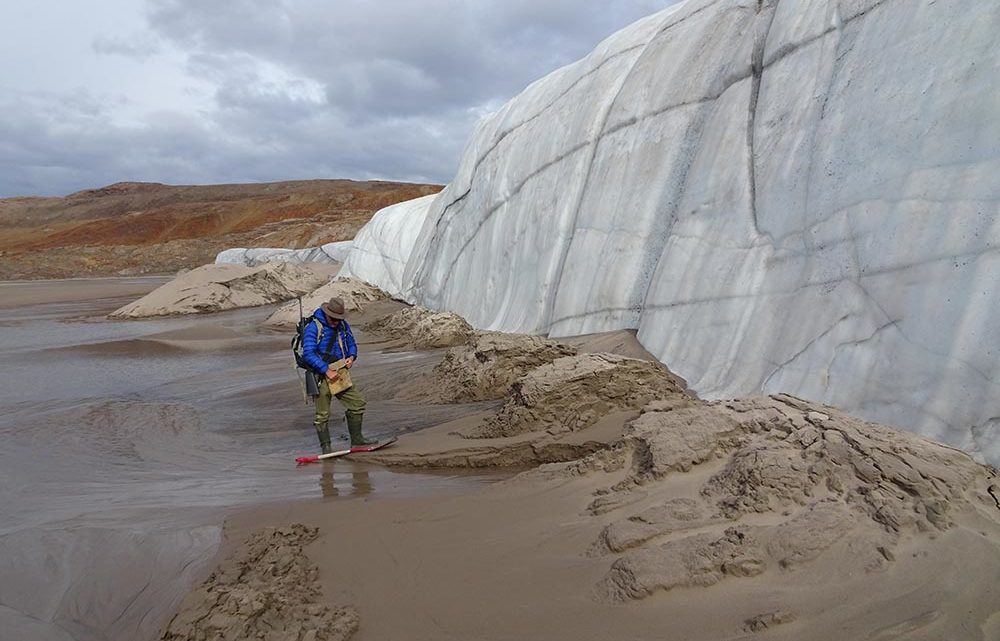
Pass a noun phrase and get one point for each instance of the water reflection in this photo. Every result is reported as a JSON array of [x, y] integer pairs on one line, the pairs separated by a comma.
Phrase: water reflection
[[360, 483]]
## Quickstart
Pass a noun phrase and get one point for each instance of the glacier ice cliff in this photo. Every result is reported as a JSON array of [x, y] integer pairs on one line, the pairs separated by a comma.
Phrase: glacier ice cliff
[[382, 247], [779, 196], [336, 252]]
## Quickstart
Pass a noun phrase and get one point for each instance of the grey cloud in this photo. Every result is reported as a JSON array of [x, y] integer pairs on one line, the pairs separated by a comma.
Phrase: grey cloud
[[46, 149], [68, 142], [398, 57], [306, 89], [136, 47]]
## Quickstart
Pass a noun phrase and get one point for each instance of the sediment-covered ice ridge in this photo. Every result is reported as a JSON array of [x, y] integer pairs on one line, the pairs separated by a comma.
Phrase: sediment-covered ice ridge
[[779, 196], [329, 253]]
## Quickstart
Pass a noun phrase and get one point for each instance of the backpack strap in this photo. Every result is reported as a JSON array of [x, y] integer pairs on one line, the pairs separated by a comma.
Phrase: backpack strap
[[319, 339], [340, 339]]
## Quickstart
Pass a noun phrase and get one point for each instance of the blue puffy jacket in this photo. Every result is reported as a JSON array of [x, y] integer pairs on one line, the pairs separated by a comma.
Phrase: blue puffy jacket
[[328, 344]]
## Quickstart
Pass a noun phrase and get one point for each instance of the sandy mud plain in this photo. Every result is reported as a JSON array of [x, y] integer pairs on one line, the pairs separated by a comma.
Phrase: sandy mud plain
[[127, 444], [588, 497]]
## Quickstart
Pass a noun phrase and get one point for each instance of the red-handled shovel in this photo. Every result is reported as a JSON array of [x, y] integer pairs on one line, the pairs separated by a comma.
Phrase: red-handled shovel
[[304, 460], [357, 449]]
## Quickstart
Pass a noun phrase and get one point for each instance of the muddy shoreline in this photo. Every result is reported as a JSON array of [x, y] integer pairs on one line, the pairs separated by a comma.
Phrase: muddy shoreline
[[115, 482], [545, 489]]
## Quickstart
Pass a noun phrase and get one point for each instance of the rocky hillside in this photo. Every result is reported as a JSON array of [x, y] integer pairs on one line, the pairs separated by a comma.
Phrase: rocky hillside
[[144, 228]]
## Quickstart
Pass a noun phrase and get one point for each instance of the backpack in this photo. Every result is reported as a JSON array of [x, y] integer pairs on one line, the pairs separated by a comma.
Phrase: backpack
[[297, 341]]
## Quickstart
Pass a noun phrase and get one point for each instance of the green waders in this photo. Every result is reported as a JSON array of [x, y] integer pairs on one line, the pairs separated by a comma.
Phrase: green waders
[[354, 406]]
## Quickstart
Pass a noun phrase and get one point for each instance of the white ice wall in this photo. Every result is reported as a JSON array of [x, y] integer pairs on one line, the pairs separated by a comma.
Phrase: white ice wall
[[382, 246], [779, 195], [329, 253]]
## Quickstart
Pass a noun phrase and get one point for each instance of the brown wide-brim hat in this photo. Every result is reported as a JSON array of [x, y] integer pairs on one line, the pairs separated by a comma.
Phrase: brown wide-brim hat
[[334, 308]]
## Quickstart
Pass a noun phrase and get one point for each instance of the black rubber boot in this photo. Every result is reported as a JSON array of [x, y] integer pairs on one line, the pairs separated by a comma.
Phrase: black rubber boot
[[323, 432], [354, 428]]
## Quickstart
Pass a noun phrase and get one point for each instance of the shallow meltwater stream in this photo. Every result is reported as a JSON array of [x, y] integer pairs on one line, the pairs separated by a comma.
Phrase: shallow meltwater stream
[[124, 446]]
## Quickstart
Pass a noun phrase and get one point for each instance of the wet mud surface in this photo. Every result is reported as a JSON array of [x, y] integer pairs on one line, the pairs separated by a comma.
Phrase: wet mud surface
[[125, 445]]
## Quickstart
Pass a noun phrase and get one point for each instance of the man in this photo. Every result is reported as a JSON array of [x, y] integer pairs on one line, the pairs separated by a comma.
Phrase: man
[[335, 342]]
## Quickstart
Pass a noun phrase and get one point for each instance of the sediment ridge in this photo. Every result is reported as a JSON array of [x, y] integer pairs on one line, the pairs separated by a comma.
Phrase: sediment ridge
[[764, 517]]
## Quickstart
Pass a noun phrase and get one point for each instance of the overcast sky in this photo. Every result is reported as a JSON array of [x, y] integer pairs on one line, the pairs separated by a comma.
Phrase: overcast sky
[[205, 91]]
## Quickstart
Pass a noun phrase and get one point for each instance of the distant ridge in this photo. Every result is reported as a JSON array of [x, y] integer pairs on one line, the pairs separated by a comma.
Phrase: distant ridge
[[129, 228]]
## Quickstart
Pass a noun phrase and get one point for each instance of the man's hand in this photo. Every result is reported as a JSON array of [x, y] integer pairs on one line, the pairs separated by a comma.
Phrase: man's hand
[[332, 374], [349, 361]]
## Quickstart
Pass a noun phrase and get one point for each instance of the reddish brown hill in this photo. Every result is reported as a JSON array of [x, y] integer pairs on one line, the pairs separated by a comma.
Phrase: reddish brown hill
[[135, 228]]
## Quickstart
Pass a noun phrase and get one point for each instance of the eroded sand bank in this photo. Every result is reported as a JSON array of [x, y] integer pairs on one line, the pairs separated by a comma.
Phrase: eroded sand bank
[[647, 513], [217, 288]]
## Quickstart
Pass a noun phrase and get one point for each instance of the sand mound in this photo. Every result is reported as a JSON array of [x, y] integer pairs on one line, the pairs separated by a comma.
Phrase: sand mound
[[356, 295], [216, 288], [790, 482], [268, 590], [422, 328], [571, 393], [486, 367]]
